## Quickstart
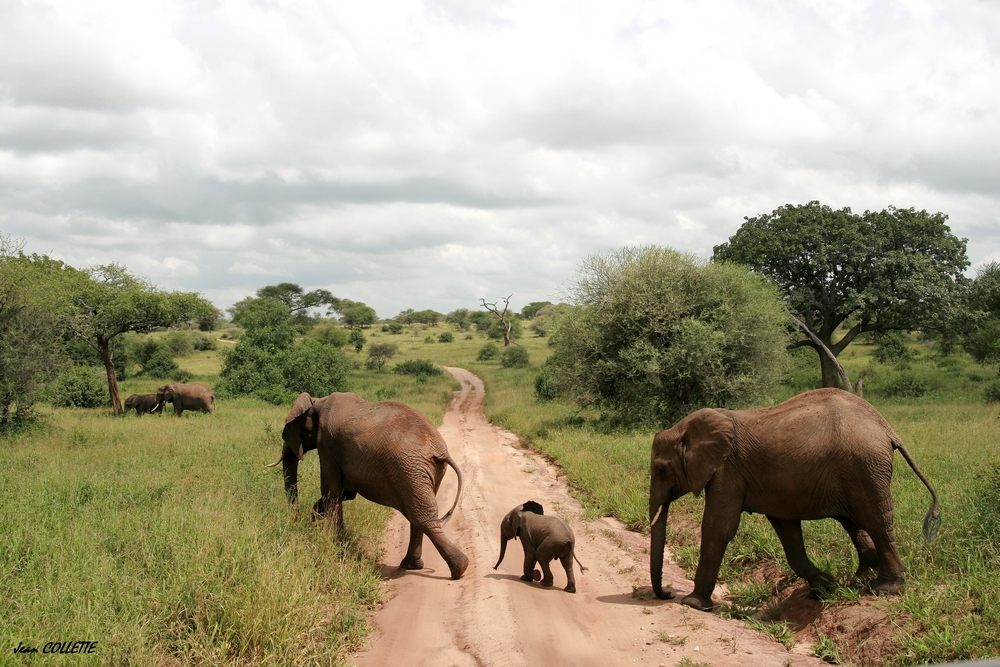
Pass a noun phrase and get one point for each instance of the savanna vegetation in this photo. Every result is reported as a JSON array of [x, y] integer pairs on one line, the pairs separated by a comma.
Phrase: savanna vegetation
[[169, 541]]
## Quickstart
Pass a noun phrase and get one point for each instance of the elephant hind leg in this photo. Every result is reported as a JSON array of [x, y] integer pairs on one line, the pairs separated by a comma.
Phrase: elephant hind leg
[[867, 555], [567, 562], [457, 561], [790, 533], [414, 552]]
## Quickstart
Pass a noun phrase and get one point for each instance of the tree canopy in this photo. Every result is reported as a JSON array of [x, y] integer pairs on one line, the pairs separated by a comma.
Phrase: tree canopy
[[895, 269], [110, 301], [982, 341], [657, 333]]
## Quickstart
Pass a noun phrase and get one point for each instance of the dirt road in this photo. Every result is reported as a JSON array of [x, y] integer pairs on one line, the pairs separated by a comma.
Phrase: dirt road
[[492, 618]]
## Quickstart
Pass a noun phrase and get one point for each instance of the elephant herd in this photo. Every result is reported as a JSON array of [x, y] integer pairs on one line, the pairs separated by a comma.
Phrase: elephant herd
[[823, 454], [193, 396]]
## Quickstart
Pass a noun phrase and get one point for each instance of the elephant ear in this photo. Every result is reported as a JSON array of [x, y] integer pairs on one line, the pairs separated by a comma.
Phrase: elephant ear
[[707, 441], [532, 506], [300, 413], [510, 527]]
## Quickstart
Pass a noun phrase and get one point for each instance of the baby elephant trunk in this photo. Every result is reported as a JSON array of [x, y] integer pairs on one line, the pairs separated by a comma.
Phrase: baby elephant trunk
[[503, 550]]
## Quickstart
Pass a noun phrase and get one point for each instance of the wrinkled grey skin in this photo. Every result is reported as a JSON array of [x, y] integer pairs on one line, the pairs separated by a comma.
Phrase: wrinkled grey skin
[[143, 403], [824, 453], [388, 452], [193, 396], [543, 539]]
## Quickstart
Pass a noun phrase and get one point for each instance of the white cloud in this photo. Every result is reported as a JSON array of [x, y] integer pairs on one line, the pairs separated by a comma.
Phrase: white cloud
[[443, 151]]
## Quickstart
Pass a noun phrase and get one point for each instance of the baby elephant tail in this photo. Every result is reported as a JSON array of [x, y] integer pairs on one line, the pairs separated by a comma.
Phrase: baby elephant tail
[[583, 568], [932, 522]]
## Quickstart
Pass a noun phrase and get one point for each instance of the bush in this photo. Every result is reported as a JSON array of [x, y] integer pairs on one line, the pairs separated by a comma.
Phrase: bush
[[446, 337], [394, 328], [890, 348], [179, 343], [417, 367], [315, 368], [659, 334], [203, 342], [80, 387], [358, 339], [429, 339], [160, 364], [330, 334], [247, 369], [546, 388], [488, 352], [495, 330], [181, 375], [906, 385], [514, 357], [992, 392]]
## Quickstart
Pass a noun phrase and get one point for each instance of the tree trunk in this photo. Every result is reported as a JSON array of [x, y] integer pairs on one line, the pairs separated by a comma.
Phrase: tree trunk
[[109, 367], [831, 377], [506, 334]]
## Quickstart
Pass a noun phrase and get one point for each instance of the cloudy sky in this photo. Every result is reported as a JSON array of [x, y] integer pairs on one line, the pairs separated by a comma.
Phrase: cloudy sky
[[426, 154]]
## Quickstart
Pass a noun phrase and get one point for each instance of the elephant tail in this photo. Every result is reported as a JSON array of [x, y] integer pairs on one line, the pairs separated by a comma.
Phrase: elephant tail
[[583, 568], [932, 522], [458, 496]]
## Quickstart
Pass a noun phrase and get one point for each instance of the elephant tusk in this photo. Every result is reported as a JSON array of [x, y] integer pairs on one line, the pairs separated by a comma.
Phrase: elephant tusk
[[657, 517], [271, 465]]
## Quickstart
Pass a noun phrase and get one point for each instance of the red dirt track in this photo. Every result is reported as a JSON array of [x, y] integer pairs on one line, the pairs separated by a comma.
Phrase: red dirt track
[[492, 618]]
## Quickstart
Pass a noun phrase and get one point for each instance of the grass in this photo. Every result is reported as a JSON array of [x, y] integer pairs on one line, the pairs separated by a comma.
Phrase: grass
[[168, 541]]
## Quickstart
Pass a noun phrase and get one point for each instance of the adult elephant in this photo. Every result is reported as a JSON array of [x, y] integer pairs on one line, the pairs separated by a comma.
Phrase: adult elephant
[[824, 453], [193, 396], [388, 452]]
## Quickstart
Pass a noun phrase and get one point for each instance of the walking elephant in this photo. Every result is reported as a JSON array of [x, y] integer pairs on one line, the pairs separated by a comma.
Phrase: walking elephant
[[388, 452], [824, 453], [543, 538], [143, 403], [193, 396]]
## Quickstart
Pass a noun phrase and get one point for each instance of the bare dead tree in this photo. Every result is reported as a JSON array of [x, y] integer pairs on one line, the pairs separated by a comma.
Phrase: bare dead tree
[[505, 320]]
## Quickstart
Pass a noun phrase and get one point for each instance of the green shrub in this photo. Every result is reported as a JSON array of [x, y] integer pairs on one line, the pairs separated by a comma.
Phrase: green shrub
[[446, 337], [357, 339], [181, 375], [546, 388], [202, 342], [247, 369], [906, 385], [379, 354], [992, 391], [417, 367], [488, 352], [160, 364], [429, 339], [179, 343], [315, 368], [330, 334], [890, 348], [80, 387], [514, 356]]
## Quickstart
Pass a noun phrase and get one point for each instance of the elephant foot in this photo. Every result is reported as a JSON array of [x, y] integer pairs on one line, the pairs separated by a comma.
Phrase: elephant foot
[[546, 582], [459, 568], [413, 564], [663, 595], [527, 577], [701, 603], [886, 587], [865, 573], [570, 588]]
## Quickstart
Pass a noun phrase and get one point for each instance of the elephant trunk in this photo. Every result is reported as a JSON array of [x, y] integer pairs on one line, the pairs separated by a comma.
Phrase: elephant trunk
[[290, 467], [503, 550], [657, 541]]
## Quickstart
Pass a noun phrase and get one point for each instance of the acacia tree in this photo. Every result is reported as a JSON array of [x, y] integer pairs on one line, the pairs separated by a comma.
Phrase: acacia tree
[[506, 319], [895, 269], [109, 301]]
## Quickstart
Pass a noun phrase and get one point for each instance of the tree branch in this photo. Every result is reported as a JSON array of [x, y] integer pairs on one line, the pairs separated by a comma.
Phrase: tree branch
[[824, 348]]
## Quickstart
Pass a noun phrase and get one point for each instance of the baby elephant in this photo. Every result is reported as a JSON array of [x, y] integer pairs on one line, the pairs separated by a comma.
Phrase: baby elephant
[[543, 538], [142, 403]]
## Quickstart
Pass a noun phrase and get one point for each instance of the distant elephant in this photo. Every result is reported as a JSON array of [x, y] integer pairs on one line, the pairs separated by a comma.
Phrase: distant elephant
[[388, 452], [193, 396], [543, 538], [824, 453], [143, 403]]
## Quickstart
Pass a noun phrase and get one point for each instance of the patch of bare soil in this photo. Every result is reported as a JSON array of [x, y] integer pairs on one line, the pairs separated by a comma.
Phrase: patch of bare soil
[[491, 617]]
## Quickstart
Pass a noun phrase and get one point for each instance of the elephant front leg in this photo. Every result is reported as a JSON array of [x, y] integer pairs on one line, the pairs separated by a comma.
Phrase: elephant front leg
[[529, 564], [414, 552], [790, 534], [330, 503], [718, 527]]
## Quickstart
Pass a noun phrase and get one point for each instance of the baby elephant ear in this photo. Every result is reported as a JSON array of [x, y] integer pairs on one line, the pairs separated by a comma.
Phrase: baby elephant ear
[[707, 441], [532, 506]]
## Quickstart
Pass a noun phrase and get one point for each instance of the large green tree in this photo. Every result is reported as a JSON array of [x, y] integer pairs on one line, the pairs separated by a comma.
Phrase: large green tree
[[982, 340], [657, 333], [109, 301], [30, 349], [895, 269]]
